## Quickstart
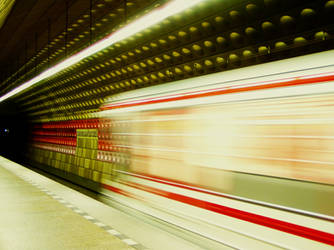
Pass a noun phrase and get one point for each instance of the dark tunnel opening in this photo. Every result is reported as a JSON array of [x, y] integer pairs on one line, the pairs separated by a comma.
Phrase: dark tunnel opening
[[14, 135]]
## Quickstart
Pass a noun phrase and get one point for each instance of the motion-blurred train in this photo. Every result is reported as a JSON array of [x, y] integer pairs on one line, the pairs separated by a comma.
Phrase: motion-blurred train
[[244, 157]]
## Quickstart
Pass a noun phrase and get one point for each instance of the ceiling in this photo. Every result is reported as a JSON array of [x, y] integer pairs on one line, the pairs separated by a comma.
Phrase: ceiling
[[216, 36], [26, 29], [5, 8]]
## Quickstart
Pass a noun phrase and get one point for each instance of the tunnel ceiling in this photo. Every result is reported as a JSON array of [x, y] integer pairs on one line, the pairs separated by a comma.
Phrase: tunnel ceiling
[[210, 37]]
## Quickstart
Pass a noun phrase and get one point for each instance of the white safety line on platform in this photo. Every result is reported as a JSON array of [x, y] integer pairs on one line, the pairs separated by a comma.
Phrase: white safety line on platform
[[95, 221]]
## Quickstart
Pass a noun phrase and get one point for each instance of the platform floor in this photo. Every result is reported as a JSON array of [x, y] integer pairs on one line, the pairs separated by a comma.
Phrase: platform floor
[[34, 218]]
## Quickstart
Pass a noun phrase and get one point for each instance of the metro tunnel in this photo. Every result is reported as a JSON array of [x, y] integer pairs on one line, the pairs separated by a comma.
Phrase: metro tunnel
[[167, 124]]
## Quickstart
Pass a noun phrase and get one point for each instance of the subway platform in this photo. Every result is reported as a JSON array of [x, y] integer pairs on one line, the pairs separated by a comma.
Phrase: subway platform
[[37, 212], [33, 216]]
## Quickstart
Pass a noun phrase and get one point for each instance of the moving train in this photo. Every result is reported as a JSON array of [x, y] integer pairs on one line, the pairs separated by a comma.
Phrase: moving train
[[219, 151], [243, 158]]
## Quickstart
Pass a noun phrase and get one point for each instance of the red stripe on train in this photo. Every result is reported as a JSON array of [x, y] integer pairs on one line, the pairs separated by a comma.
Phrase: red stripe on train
[[222, 91], [174, 183], [197, 188], [283, 226], [118, 190]]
